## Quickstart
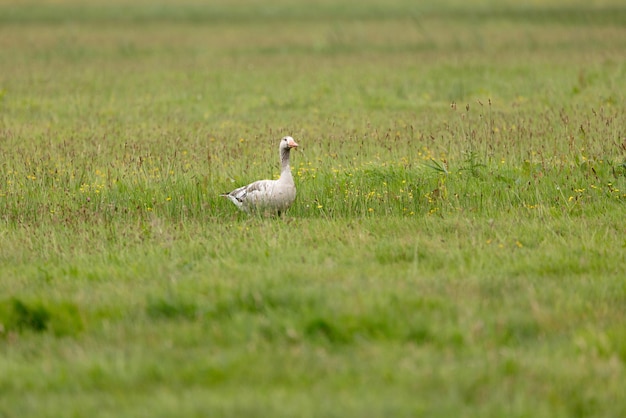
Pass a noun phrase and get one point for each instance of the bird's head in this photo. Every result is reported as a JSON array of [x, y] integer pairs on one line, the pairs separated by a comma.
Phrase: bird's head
[[287, 143]]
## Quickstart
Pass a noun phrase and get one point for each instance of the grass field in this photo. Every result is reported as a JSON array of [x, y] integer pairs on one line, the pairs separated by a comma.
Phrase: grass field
[[457, 246]]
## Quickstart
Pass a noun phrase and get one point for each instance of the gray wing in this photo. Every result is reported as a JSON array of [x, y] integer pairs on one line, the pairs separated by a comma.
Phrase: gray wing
[[252, 189]]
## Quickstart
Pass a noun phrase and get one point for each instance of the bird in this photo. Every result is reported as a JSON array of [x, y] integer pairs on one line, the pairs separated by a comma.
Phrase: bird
[[269, 196]]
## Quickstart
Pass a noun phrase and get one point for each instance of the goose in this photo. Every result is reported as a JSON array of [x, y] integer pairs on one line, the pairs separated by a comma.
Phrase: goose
[[269, 195]]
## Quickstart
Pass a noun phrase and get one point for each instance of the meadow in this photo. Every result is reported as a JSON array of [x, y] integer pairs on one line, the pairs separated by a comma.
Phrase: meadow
[[457, 246]]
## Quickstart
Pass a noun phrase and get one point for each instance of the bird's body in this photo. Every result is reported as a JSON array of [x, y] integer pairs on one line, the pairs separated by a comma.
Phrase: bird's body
[[273, 196]]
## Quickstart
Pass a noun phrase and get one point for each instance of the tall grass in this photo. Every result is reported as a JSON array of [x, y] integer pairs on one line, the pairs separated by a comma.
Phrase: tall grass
[[576, 164]]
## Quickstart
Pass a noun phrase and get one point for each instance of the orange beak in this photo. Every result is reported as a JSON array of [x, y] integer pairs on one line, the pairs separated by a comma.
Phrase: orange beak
[[291, 143]]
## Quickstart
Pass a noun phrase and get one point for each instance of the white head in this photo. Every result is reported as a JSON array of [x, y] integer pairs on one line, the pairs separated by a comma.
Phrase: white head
[[287, 143]]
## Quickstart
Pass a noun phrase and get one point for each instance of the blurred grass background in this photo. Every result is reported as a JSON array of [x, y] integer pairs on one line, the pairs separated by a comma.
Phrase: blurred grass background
[[455, 247]]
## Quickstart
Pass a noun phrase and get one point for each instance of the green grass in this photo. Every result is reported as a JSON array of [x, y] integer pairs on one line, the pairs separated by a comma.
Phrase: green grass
[[456, 247]]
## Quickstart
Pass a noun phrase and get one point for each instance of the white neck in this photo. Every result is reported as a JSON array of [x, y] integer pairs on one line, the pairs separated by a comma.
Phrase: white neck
[[284, 162]]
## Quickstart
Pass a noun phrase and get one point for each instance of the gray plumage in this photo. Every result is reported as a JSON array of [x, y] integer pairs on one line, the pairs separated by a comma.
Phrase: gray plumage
[[269, 195]]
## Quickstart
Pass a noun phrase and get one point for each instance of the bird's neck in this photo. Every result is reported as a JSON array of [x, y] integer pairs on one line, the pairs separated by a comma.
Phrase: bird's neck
[[285, 169]]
